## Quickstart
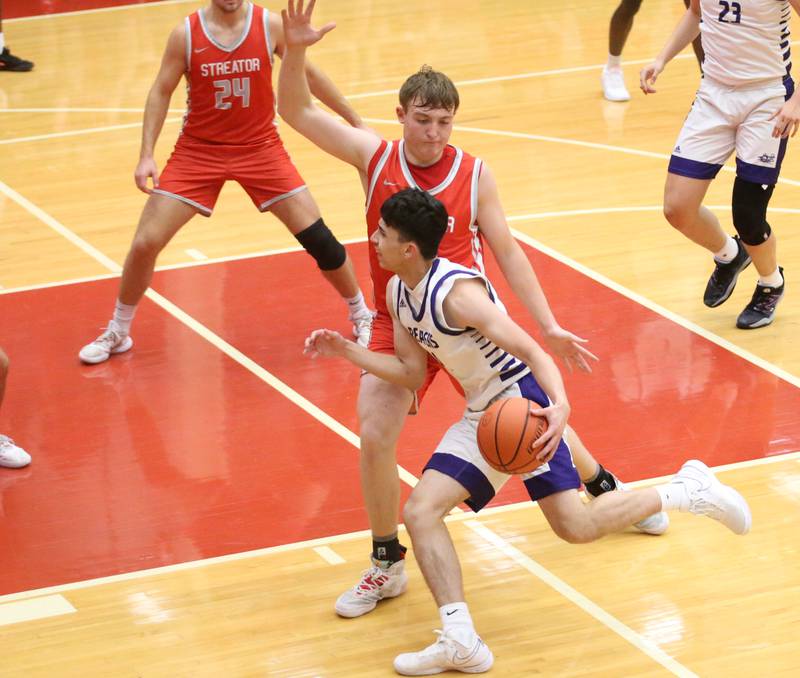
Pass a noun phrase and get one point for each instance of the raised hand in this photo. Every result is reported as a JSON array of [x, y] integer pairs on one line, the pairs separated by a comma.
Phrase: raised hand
[[297, 28]]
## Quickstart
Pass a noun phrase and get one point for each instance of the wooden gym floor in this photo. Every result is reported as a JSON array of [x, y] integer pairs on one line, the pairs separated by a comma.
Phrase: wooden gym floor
[[193, 506]]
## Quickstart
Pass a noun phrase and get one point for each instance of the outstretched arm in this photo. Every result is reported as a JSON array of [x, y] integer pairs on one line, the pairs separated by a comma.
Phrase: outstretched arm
[[173, 66], [688, 29], [468, 305], [406, 367], [518, 271], [295, 105], [320, 85]]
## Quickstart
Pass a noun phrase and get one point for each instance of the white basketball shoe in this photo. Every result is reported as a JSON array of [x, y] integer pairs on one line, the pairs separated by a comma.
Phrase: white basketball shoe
[[376, 584], [709, 497], [454, 650], [613, 82], [111, 341], [362, 328], [11, 455]]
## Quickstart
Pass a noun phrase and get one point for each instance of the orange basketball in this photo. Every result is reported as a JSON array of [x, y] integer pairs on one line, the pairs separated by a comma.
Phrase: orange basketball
[[506, 433]]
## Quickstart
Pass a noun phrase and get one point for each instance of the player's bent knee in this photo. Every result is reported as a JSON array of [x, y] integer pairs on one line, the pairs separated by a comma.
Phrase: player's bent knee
[[749, 207], [574, 532], [677, 215], [321, 244], [147, 246], [417, 513]]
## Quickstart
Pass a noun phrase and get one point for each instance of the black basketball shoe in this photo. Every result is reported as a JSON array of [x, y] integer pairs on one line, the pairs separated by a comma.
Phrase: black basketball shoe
[[9, 62], [760, 312], [723, 279]]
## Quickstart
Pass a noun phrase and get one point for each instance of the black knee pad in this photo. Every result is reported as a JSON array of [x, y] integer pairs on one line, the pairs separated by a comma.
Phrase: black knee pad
[[321, 244], [749, 205]]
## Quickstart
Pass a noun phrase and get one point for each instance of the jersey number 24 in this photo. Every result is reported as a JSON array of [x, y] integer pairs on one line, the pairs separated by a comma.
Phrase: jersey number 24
[[237, 87]]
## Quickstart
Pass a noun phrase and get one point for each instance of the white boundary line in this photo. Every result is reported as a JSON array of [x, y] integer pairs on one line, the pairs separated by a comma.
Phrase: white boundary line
[[320, 546], [289, 393], [532, 242], [78, 132], [285, 250], [383, 121], [660, 310], [32, 609], [166, 267], [350, 536], [329, 555], [641, 643], [338, 538], [195, 254]]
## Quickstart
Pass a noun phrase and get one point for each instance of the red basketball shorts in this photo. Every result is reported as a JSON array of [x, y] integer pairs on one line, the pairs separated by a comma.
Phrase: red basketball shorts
[[195, 173]]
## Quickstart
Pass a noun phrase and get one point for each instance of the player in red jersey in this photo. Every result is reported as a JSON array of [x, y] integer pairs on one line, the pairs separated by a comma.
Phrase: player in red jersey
[[422, 159], [225, 50]]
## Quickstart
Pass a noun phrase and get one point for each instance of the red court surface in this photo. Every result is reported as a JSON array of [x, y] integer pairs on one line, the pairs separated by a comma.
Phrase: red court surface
[[17, 8], [175, 452]]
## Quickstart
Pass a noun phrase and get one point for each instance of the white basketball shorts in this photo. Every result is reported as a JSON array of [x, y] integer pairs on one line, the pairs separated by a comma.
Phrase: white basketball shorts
[[724, 119]]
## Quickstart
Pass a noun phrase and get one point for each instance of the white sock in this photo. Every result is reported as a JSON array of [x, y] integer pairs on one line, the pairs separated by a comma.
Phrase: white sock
[[457, 621], [2, 42], [356, 305], [614, 61], [673, 496], [774, 279], [728, 251], [123, 316]]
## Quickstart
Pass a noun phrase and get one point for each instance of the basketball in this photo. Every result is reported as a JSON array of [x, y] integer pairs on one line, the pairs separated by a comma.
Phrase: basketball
[[506, 433]]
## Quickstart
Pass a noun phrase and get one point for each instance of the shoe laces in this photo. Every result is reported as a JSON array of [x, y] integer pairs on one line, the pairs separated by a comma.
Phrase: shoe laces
[[450, 647], [764, 300], [372, 580], [442, 644], [108, 339], [363, 320], [701, 507], [5, 441]]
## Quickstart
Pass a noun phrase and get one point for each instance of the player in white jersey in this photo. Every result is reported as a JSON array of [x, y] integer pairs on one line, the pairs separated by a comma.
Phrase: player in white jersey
[[746, 103], [453, 313]]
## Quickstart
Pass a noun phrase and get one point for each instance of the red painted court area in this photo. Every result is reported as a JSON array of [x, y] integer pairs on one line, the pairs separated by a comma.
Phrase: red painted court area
[[175, 452], [17, 8]]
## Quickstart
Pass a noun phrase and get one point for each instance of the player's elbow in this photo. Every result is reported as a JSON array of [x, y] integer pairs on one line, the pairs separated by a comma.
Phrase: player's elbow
[[285, 110], [290, 111], [415, 380]]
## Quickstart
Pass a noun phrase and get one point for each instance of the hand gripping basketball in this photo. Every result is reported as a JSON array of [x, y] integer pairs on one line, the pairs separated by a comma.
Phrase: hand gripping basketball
[[506, 435]]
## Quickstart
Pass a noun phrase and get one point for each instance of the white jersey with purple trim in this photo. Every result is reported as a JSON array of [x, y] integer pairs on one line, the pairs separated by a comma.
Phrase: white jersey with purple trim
[[745, 41], [483, 369]]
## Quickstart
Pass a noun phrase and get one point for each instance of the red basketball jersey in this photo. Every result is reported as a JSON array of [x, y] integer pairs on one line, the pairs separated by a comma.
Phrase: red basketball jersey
[[453, 180], [230, 96]]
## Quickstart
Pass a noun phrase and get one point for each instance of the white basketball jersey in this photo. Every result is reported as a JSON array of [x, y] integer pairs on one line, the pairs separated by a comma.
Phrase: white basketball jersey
[[482, 368], [745, 41]]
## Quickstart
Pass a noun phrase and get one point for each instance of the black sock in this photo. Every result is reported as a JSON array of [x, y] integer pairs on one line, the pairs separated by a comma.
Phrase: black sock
[[604, 481], [388, 549]]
